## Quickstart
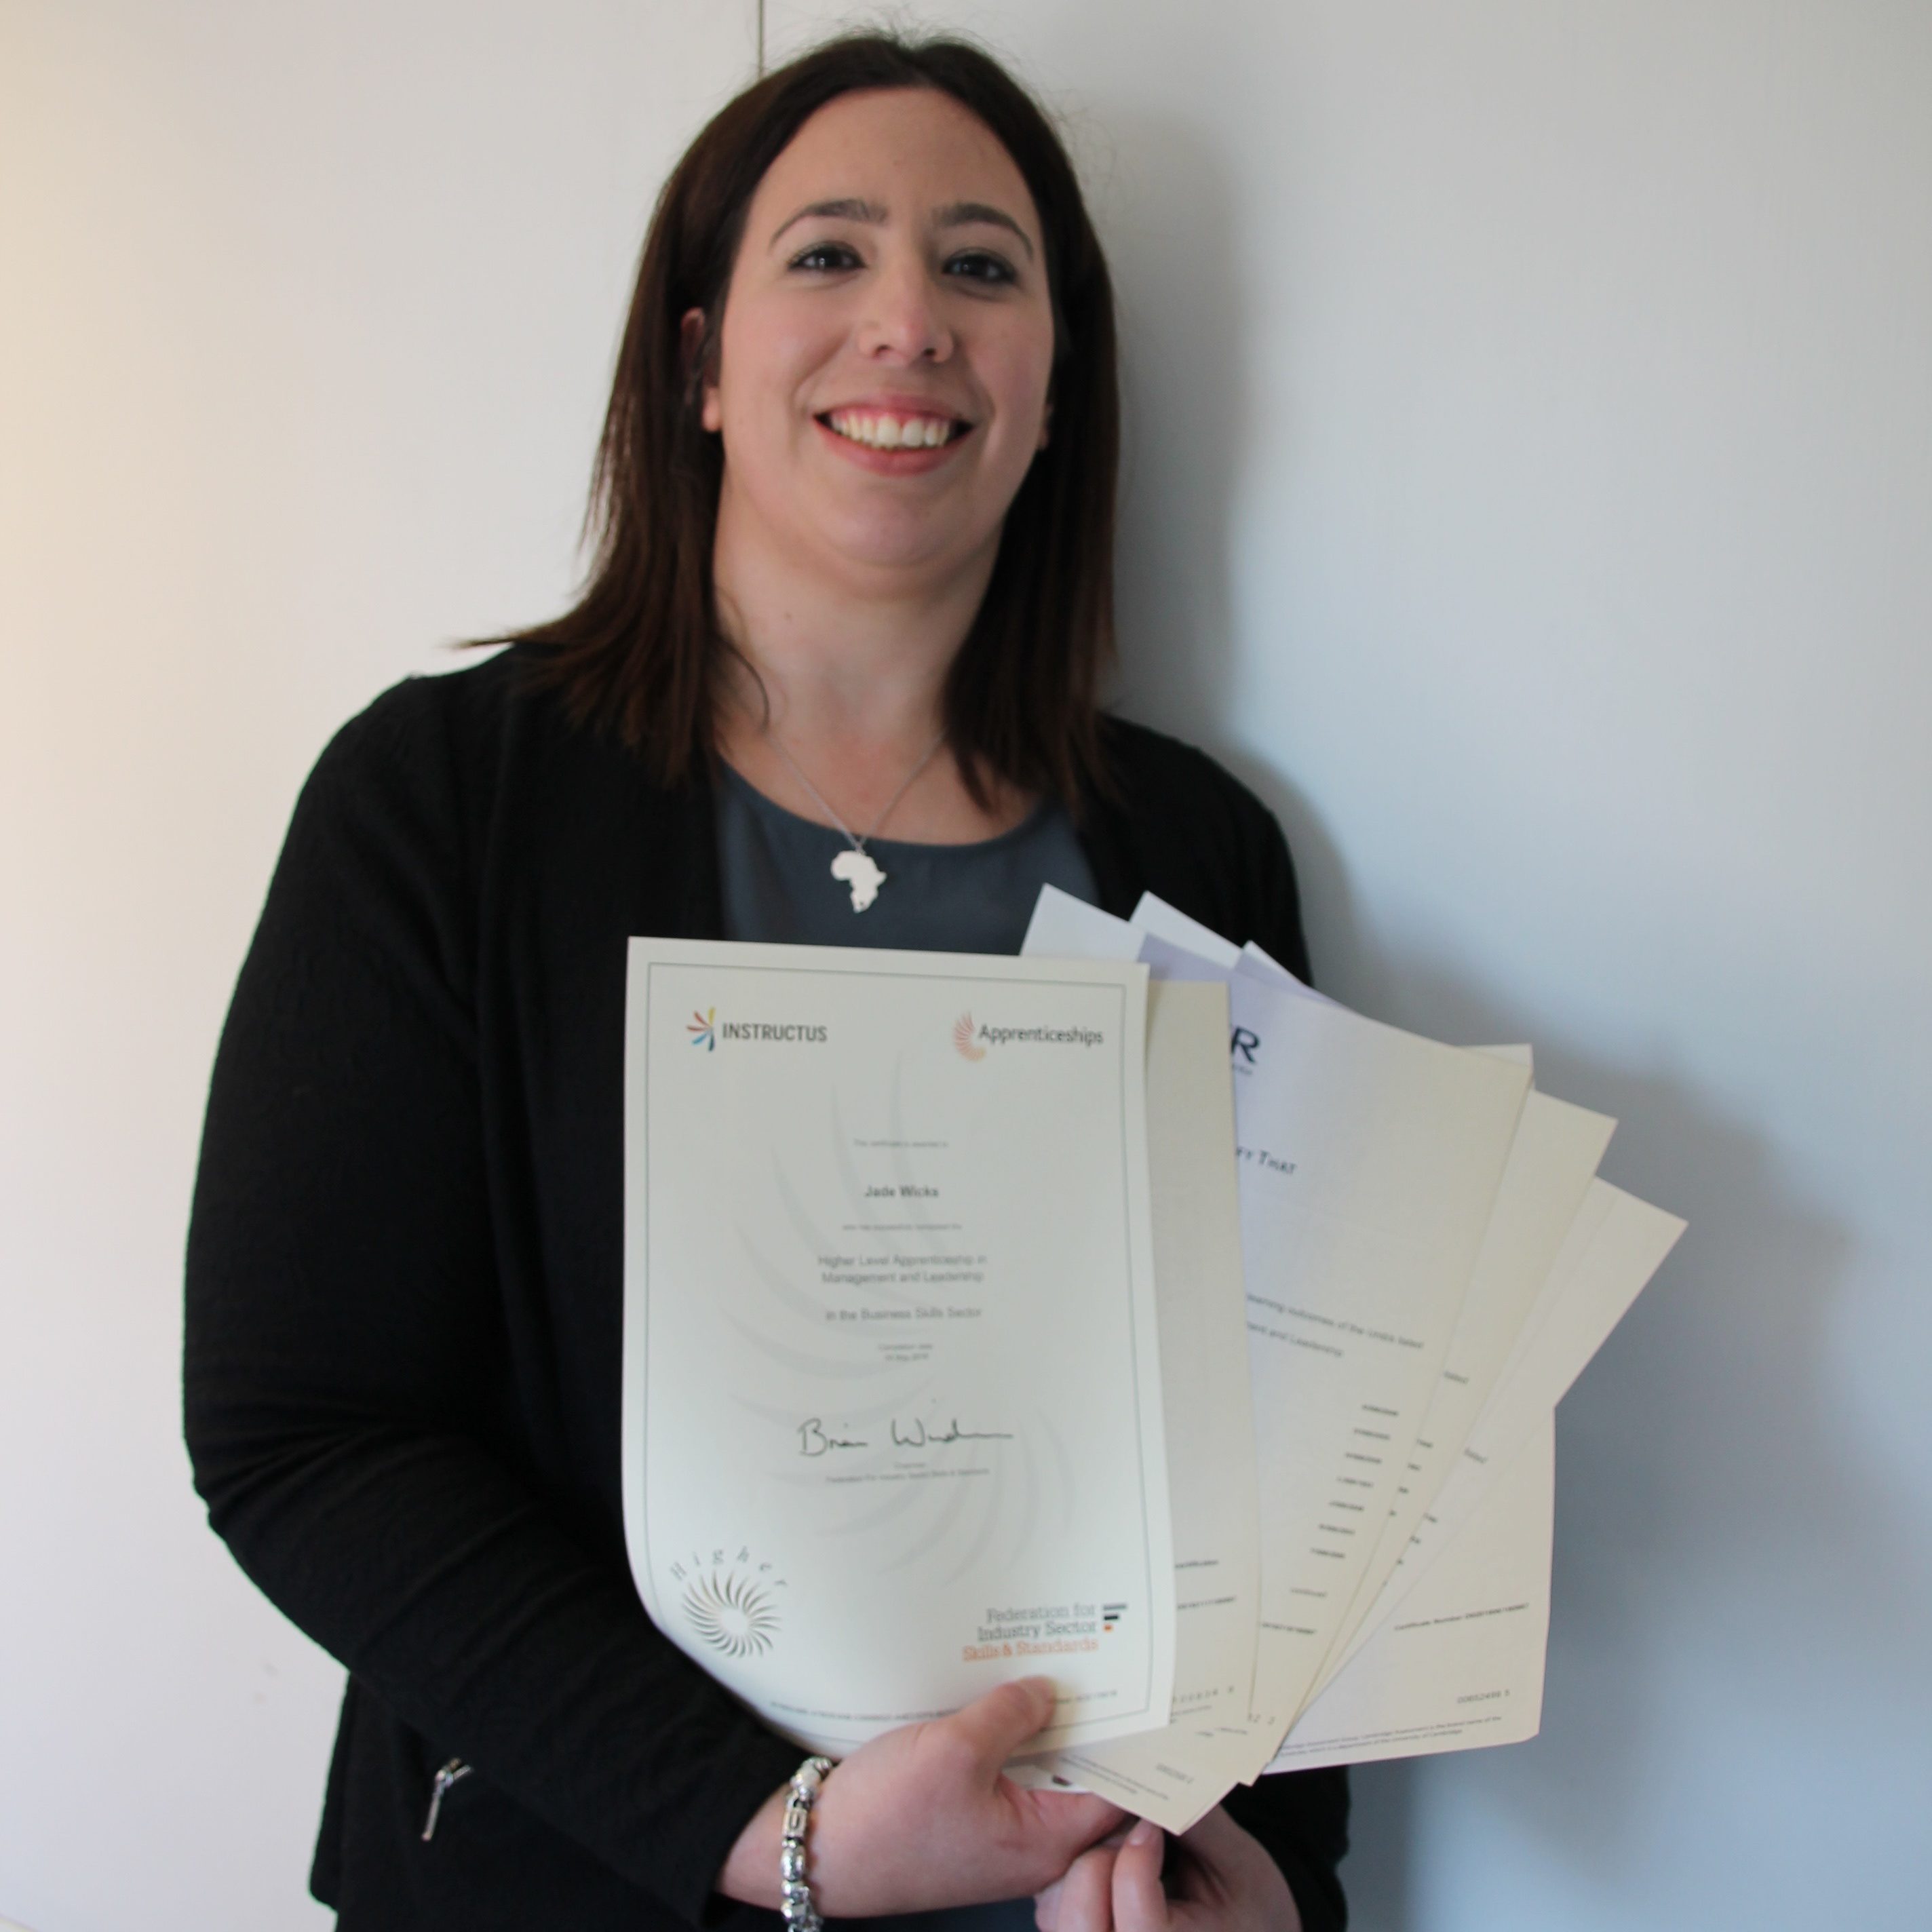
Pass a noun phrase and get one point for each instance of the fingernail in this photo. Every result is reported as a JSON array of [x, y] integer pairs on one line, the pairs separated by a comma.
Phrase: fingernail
[[1144, 1834], [1046, 1908]]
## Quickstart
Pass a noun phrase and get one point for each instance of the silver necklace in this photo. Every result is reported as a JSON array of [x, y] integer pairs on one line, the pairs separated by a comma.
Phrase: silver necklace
[[857, 868]]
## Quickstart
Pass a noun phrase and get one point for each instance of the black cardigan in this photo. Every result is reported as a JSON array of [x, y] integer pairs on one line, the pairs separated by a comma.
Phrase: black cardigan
[[404, 1302]]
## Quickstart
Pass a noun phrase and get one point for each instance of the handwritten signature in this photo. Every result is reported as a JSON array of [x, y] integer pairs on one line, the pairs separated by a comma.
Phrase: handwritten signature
[[814, 1439], [921, 1436]]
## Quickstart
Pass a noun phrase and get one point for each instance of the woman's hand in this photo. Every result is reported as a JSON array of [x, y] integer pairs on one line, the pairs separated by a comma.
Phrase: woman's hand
[[1222, 1881], [922, 1818]]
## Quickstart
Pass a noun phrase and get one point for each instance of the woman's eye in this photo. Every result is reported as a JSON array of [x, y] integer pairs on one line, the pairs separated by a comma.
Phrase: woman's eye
[[823, 255], [977, 264]]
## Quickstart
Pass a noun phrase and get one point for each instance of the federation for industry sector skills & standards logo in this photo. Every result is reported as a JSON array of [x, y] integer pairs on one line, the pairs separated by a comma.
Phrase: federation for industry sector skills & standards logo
[[1042, 1629], [973, 1043], [706, 1029], [730, 1602]]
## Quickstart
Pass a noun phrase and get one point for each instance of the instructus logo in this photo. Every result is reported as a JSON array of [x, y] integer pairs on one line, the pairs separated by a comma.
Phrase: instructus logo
[[968, 1048], [707, 1030]]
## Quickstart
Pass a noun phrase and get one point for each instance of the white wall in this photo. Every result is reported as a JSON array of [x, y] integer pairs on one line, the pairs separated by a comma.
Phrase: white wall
[[1531, 492], [306, 310]]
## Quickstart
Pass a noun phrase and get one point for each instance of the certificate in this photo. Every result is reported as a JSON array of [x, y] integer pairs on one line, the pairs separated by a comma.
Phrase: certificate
[[892, 1422], [1173, 1774], [1552, 1164], [1460, 1663], [1370, 1162], [1393, 1192], [1616, 1243]]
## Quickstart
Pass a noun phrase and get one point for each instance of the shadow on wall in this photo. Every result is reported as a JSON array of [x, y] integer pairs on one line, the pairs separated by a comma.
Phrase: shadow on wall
[[1705, 1498], [1166, 217]]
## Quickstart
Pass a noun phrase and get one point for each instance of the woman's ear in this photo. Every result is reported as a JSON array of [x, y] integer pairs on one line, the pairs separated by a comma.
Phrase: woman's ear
[[691, 344]]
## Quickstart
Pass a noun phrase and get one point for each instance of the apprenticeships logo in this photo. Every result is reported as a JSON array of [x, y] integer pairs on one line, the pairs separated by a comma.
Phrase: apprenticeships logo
[[702, 1028], [971, 1040]]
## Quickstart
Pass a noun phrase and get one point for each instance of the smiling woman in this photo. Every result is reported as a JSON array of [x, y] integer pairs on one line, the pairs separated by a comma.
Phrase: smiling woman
[[854, 503], [879, 243], [909, 336], [880, 380]]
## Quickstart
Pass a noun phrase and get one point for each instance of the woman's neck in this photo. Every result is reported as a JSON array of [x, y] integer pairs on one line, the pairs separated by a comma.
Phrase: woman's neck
[[853, 686], [844, 658]]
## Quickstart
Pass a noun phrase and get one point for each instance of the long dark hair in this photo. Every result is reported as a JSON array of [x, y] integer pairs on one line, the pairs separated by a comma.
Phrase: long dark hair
[[641, 651]]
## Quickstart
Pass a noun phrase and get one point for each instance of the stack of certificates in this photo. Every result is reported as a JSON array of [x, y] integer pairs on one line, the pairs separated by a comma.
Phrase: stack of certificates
[[1125, 1313]]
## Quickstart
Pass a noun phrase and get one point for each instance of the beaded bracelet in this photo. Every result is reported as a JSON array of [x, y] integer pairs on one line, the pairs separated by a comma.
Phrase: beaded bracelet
[[794, 1891]]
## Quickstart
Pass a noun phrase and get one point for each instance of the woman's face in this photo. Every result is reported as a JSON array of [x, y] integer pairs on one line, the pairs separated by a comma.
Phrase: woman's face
[[887, 340]]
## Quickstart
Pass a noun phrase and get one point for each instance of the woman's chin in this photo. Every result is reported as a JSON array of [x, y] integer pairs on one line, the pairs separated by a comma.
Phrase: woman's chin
[[907, 553]]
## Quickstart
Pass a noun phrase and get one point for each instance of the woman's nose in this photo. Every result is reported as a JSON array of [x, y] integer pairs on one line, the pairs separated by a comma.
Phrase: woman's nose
[[905, 320]]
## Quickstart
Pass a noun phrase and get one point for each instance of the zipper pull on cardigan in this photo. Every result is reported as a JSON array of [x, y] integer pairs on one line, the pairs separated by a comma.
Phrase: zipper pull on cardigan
[[451, 1773]]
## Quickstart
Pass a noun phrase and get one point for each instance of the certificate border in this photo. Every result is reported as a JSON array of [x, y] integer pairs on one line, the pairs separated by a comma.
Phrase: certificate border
[[641, 1447]]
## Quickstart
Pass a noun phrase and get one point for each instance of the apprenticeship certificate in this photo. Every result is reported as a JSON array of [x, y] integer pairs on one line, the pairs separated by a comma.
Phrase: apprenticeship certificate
[[891, 1397]]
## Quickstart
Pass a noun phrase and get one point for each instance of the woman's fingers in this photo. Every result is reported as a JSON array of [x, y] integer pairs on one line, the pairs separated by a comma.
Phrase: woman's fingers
[[1080, 1902], [1046, 1907], [993, 1729], [1227, 1879], [1139, 1903], [1224, 1883], [1218, 1842], [995, 1726], [1074, 1819], [922, 1818]]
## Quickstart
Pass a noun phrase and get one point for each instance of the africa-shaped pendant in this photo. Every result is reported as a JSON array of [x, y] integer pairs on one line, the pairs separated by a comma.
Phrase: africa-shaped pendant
[[860, 870]]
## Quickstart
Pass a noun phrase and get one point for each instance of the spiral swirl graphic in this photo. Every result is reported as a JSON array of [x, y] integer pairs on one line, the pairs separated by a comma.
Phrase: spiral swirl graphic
[[731, 1614]]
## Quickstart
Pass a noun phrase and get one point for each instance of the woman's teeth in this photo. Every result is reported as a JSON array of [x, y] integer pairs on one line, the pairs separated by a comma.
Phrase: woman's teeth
[[884, 432]]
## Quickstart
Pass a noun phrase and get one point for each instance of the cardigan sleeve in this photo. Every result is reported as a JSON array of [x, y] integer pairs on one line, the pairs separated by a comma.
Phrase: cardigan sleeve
[[345, 1375], [1279, 902], [1301, 1819]]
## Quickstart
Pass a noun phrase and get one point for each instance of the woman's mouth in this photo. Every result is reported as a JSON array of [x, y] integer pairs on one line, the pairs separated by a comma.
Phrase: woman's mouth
[[894, 429]]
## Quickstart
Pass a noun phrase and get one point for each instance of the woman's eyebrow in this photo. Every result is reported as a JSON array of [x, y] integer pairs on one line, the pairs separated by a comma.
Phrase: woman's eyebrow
[[955, 214], [848, 209], [965, 214]]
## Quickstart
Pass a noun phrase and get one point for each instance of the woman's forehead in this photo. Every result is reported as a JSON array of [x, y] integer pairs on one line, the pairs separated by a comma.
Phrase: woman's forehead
[[901, 155]]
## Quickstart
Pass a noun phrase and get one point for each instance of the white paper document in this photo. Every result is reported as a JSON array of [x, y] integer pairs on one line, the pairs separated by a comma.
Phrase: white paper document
[[1370, 1160], [1552, 1162], [1127, 1313], [1617, 1244], [1459, 1663], [1166, 1775], [893, 1427]]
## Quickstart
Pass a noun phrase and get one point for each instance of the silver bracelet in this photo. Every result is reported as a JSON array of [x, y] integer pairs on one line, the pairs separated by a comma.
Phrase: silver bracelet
[[794, 1890]]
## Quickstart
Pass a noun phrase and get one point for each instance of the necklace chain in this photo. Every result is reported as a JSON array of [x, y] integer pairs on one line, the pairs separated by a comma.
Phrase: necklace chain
[[831, 810]]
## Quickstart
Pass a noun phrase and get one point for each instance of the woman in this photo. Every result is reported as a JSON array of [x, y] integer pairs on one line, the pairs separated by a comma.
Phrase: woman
[[856, 488]]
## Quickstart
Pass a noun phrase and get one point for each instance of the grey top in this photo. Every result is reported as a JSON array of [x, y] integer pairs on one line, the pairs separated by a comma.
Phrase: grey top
[[774, 871]]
